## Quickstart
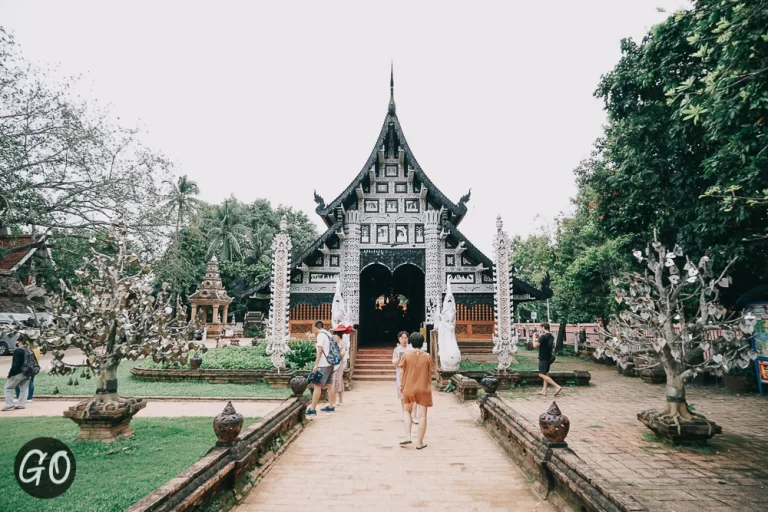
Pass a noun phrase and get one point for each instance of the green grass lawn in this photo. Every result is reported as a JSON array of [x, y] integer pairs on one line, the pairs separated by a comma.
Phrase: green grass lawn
[[110, 476], [128, 385]]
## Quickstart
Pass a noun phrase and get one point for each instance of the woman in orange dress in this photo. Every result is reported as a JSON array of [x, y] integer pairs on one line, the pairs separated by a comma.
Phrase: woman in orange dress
[[416, 387]]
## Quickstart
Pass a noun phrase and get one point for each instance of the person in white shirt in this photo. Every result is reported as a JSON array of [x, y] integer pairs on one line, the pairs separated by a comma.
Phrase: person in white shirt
[[323, 345]]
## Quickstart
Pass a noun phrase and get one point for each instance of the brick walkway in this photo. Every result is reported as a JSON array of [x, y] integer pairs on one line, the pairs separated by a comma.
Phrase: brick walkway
[[605, 433], [350, 460]]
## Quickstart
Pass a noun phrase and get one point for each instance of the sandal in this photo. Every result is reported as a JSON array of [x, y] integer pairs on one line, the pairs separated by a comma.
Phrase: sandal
[[421, 447], [558, 391], [403, 443]]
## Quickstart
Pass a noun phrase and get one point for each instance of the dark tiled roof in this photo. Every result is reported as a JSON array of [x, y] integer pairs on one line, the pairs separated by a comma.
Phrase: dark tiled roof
[[477, 255], [458, 210], [10, 286], [263, 286]]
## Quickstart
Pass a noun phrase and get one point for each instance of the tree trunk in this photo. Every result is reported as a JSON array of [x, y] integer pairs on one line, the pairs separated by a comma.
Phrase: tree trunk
[[560, 338], [107, 382], [676, 404]]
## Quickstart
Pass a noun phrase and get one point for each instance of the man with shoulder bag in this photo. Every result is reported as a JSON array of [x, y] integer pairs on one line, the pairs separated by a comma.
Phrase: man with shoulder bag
[[322, 372], [23, 366], [545, 343]]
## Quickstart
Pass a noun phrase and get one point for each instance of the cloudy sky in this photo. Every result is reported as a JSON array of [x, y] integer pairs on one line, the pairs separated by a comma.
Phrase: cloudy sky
[[275, 99]]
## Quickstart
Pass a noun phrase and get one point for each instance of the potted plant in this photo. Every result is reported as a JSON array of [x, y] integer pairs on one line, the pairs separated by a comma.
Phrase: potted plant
[[739, 380]]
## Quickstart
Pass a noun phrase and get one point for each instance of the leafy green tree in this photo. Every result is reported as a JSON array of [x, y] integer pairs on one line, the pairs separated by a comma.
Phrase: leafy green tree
[[533, 258], [180, 205], [686, 114], [226, 226]]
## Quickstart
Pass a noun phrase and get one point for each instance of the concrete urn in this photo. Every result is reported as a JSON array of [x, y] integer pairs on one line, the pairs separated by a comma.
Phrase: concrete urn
[[298, 385], [195, 362], [227, 425], [554, 425]]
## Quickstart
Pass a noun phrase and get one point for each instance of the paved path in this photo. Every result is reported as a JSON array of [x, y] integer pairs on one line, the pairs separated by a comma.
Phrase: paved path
[[154, 409], [364, 468], [730, 475]]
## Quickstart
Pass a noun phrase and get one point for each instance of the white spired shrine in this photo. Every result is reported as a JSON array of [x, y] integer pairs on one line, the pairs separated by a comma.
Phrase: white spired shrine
[[392, 246]]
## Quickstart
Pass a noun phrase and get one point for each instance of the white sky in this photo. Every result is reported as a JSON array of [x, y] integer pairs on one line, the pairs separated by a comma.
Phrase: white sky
[[276, 99]]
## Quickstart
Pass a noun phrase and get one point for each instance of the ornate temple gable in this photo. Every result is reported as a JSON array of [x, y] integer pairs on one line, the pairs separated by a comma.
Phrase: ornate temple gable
[[391, 161], [321, 258], [464, 260]]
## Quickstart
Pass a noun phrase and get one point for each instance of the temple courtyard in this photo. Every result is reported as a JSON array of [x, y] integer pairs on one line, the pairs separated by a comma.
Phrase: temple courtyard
[[352, 459]]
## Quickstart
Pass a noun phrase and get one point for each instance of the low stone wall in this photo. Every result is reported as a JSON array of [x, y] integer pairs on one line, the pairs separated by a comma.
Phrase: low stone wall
[[509, 380], [225, 469], [559, 475], [466, 388], [201, 375], [223, 376]]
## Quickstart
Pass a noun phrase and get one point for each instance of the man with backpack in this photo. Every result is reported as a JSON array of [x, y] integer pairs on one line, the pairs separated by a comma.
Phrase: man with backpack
[[23, 367], [326, 357]]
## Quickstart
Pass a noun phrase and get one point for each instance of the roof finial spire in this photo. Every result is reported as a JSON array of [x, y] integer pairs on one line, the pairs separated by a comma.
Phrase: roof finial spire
[[392, 87]]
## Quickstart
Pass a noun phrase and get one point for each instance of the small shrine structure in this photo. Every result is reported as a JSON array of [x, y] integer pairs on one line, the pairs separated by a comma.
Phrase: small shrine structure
[[210, 297]]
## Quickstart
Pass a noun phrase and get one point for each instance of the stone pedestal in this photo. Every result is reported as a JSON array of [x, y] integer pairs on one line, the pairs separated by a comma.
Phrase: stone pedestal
[[682, 431], [105, 417], [281, 380]]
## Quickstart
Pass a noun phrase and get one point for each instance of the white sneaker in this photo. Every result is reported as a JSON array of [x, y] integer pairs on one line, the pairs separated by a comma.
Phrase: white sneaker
[[6, 408], [29, 401]]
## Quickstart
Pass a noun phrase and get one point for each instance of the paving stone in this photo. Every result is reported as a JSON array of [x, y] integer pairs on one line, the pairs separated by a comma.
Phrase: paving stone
[[358, 465], [605, 433]]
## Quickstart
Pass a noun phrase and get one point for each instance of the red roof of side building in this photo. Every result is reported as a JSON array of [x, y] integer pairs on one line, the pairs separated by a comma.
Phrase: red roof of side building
[[14, 258]]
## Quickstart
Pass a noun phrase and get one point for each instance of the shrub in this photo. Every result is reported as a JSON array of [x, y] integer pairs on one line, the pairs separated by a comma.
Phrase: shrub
[[254, 331], [229, 358], [301, 355]]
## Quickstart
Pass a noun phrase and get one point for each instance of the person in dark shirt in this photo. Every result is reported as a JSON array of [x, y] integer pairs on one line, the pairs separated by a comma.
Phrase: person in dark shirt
[[545, 344], [16, 378]]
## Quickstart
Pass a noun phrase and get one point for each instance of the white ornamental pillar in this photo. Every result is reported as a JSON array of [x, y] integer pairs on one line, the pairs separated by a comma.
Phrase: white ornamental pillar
[[279, 304], [504, 335], [433, 280], [350, 265]]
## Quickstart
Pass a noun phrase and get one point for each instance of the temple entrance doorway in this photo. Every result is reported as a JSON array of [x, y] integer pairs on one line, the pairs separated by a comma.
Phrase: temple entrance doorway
[[390, 303]]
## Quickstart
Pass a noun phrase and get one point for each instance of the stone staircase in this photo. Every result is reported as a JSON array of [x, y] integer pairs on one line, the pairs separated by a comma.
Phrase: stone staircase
[[374, 364]]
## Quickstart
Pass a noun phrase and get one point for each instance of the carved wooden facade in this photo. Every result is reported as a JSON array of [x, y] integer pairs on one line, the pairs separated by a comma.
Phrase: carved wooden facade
[[392, 214]]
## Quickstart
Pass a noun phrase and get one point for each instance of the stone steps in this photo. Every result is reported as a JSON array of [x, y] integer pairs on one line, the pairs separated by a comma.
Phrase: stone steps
[[374, 365]]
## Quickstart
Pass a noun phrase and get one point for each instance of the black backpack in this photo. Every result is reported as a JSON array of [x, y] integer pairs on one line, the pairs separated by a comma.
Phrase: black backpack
[[30, 368]]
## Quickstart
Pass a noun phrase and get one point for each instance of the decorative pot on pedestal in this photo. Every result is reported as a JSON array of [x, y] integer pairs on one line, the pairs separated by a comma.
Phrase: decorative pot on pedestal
[[195, 362], [227, 426], [105, 416], [554, 425], [298, 385], [490, 385]]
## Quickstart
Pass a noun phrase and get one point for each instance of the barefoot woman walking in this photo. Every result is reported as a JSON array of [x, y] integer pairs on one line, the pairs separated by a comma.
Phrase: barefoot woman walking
[[416, 385]]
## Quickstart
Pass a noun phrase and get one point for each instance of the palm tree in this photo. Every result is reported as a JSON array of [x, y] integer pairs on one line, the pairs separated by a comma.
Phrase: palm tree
[[180, 205], [227, 227]]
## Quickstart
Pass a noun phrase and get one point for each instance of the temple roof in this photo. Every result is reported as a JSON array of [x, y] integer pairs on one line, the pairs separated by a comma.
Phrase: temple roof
[[18, 250], [519, 287], [211, 290], [263, 285], [348, 196]]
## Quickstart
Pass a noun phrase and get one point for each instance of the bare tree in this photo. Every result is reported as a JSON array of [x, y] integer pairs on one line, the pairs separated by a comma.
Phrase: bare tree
[[111, 314], [671, 309], [62, 163]]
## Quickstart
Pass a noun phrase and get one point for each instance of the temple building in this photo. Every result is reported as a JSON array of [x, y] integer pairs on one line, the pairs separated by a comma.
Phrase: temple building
[[393, 242]]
